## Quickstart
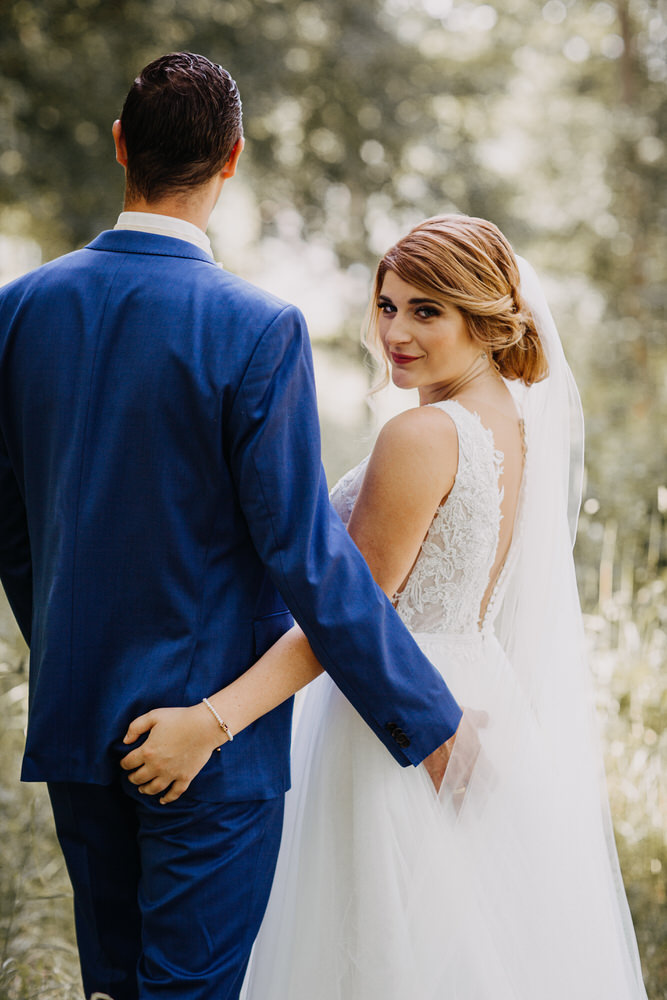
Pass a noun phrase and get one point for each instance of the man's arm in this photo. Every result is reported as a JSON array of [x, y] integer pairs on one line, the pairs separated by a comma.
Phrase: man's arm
[[15, 562], [352, 629], [399, 476], [347, 622], [412, 467]]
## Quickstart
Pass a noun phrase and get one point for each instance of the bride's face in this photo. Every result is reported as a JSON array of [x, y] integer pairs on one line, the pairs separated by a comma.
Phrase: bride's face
[[425, 338]]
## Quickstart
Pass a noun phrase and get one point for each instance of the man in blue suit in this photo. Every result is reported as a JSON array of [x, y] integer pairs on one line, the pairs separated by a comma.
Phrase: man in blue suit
[[162, 506]]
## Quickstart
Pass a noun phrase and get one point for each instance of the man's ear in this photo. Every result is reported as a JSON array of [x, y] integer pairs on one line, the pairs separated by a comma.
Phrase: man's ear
[[119, 142], [229, 168]]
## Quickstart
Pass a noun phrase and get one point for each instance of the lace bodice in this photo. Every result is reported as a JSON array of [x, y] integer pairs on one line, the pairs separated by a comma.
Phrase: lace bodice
[[447, 583]]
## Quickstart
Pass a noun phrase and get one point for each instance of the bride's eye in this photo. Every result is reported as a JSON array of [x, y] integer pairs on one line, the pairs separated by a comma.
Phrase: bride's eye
[[426, 312], [387, 308]]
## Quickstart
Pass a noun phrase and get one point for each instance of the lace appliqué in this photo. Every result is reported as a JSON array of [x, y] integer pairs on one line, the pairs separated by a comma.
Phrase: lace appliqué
[[447, 583], [344, 494]]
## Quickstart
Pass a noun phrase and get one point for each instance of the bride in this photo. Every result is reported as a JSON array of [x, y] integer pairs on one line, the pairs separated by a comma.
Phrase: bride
[[503, 884]]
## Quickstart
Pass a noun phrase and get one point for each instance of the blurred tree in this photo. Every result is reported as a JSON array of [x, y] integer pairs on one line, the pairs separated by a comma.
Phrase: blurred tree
[[628, 262], [360, 118], [347, 119]]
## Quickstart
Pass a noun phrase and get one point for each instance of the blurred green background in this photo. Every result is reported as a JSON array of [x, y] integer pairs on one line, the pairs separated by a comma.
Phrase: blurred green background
[[360, 119]]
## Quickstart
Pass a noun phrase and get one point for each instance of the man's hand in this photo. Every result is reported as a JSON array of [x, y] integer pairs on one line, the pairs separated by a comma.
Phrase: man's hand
[[180, 741]]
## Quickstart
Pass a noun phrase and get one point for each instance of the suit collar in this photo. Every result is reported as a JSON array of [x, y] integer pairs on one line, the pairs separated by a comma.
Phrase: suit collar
[[132, 241], [165, 225]]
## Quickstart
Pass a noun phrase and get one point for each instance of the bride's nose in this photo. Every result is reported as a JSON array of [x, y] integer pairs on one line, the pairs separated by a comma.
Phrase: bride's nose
[[397, 333]]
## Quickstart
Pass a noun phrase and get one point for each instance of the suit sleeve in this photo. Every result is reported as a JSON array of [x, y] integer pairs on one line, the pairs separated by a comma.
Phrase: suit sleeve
[[323, 578], [15, 562]]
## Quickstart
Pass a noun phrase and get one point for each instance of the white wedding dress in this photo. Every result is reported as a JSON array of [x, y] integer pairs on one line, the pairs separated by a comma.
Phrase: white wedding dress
[[505, 886]]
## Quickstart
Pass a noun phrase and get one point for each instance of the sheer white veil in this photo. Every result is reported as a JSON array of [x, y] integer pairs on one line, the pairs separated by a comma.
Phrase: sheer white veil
[[537, 622], [538, 587]]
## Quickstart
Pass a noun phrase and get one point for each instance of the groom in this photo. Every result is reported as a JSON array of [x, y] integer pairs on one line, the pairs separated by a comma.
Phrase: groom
[[162, 504]]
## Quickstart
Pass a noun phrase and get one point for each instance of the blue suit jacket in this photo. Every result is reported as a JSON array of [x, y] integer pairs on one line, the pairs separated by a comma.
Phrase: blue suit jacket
[[162, 504]]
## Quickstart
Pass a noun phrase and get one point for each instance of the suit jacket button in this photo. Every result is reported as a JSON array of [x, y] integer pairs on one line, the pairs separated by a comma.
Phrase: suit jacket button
[[398, 735]]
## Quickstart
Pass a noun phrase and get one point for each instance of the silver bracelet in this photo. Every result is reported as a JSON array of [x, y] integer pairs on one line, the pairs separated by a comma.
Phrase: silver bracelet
[[223, 725]]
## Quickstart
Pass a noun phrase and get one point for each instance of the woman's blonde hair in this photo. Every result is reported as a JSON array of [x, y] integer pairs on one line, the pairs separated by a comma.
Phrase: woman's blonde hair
[[469, 263]]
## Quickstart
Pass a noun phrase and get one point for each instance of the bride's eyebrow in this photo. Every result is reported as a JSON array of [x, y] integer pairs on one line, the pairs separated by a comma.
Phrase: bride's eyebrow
[[426, 302], [414, 302]]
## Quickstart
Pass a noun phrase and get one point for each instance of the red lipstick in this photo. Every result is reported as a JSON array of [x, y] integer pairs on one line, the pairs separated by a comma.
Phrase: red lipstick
[[402, 359]]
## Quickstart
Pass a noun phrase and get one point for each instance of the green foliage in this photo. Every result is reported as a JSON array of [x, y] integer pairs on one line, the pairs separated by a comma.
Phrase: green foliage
[[628, 647], [323, 136], [361, 118], [37, 951]]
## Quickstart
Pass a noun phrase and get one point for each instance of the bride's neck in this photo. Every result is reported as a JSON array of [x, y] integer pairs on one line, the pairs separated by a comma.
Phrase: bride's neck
[[479, 371]]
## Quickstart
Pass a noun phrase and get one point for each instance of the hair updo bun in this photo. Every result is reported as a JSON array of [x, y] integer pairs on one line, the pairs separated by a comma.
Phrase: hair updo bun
[[469, 263], [525, 360]]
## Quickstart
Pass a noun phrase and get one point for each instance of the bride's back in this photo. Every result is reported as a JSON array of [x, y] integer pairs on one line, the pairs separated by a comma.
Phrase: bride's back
[[497, 412], [451, 581]]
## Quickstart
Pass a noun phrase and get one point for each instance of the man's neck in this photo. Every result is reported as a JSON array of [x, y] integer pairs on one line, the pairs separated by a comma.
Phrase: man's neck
[[195, 206]]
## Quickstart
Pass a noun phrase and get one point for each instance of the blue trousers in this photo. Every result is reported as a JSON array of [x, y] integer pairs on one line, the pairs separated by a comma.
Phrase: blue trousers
[[167, 898]]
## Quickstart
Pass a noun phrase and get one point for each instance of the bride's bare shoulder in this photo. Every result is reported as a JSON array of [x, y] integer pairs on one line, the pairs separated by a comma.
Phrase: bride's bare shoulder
[[411, 471], [425, 429], [420, 444]]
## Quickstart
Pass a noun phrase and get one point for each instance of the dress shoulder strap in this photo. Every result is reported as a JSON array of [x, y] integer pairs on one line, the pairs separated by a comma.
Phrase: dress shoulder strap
[[470, 429]]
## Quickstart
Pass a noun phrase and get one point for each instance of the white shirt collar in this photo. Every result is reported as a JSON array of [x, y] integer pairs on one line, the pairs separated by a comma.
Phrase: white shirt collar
[[165, 225]]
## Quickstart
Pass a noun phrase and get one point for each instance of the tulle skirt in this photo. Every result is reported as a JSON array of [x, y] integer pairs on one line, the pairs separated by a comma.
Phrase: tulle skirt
[[505, 886]]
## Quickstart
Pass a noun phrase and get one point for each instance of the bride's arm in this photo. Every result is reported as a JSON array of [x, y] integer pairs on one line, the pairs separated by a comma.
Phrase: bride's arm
[[411, 470]]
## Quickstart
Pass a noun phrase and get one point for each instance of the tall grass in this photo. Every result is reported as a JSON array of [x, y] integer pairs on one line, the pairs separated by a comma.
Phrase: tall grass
[[624, 595], [38, 956]]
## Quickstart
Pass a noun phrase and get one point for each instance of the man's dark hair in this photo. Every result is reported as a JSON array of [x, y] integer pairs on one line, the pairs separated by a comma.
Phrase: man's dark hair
[[181, 120]]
